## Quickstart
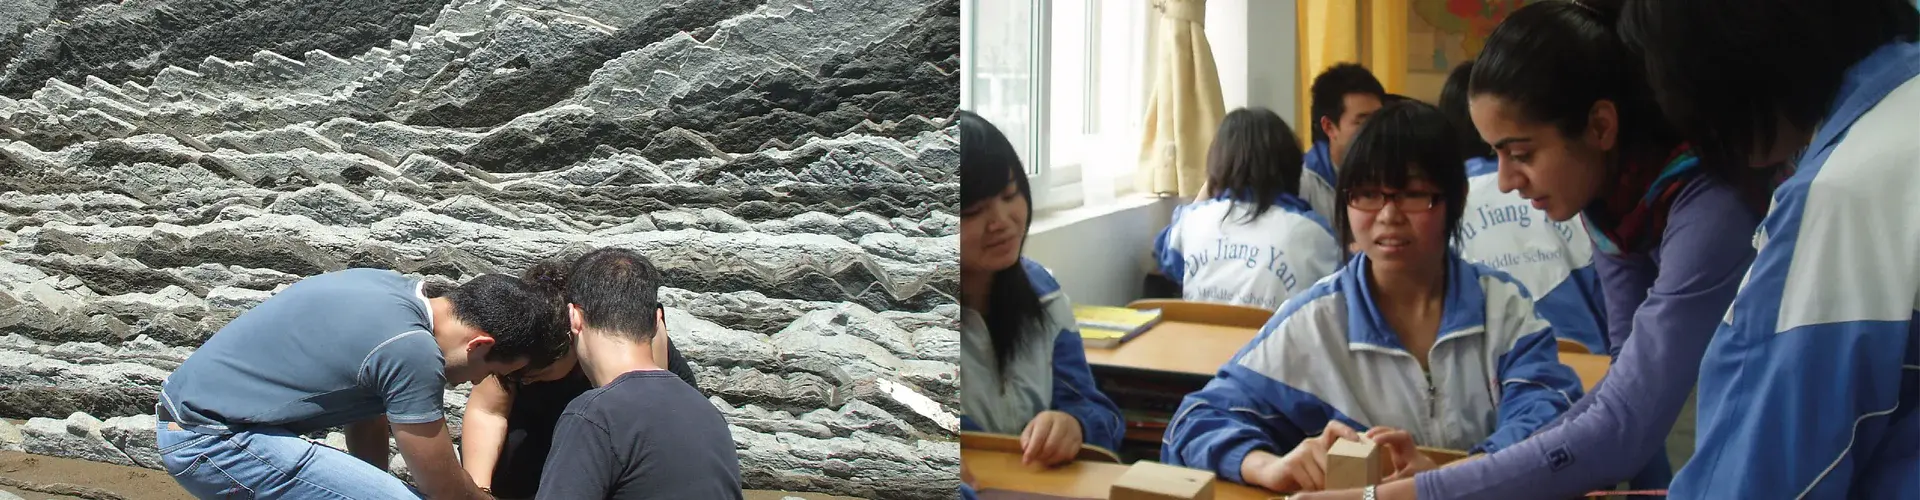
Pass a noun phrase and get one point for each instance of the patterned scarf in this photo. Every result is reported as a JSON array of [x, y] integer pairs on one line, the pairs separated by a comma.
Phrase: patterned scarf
[[1634, 215]]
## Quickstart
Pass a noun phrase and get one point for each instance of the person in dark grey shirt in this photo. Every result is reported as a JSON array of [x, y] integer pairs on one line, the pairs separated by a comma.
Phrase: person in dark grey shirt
[[642, 433], [508, 429], [365, 348]]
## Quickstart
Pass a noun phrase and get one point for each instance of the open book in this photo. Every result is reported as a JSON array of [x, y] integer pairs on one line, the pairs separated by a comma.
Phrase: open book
[[1107, 327]]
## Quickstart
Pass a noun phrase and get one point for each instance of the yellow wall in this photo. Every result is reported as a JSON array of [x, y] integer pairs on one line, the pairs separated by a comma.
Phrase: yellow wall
[[1371, 32], [1328, 35]]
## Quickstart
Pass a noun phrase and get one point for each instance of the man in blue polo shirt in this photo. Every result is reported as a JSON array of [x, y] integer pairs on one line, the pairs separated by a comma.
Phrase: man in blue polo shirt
[[364, 348]]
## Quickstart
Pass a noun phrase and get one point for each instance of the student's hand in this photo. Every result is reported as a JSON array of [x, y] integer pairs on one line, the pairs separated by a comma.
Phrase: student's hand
[[1051, 438], [1403, 456], [1304, 468]]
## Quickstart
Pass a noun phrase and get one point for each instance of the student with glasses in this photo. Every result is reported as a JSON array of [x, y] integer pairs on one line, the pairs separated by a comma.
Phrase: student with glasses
[[507, 431], [1407, 343], [1556, 92]]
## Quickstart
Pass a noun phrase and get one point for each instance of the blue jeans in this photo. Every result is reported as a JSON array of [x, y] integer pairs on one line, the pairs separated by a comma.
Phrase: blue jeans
[[271, 463]]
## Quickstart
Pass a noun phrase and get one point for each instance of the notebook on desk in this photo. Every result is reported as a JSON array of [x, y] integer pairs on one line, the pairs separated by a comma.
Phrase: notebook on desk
[[1106, 327]]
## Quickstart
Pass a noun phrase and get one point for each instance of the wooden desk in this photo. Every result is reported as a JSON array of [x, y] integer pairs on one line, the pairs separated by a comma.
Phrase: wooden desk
[[1147, 376], [1590, 367], [1002, 471], [1195, 349], [1176, 347]]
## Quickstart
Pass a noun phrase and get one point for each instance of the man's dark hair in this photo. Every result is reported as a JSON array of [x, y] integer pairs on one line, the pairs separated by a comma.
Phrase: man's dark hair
[[1403, 141], [1330, 91], [1725, 71], [618, 291], [549, 279], [1254, 158], [1453, 102], [507, 310], [988, 163]]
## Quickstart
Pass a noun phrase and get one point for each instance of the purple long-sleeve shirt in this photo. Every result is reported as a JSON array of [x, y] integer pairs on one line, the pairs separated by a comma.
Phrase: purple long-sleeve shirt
[[1660, 323]]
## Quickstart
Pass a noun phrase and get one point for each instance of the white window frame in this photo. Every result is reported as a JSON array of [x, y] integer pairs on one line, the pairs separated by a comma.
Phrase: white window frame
[[1089, 157]]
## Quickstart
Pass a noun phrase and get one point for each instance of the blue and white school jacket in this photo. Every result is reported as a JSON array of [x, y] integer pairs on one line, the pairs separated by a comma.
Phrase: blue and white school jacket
[[1811, 385], [1218, 256], [1328, 354], [1554, 260], [1049, 372], [1317, 180]]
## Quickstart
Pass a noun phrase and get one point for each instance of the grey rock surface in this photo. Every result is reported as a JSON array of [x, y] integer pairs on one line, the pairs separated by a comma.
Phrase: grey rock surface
[[10, 438], [791, 167], [77, 436]]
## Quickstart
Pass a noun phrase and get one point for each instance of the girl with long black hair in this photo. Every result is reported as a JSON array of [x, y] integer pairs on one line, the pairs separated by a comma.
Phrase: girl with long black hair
[[1023, 370]]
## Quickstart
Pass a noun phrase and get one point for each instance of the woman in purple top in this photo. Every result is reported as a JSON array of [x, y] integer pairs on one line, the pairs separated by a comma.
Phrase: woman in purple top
[[1555, 92]]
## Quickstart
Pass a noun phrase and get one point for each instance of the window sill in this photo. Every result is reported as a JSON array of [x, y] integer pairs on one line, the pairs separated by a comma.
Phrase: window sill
[[1050, 220]]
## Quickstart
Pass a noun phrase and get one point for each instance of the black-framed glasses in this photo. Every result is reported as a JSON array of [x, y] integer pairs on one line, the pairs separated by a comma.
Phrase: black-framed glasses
[[1407, 201], [516, 378]]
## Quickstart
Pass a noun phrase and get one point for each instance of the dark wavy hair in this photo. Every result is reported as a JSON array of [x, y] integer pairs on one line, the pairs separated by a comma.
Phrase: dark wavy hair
[[988, 163], [515, 315], [549, 278]]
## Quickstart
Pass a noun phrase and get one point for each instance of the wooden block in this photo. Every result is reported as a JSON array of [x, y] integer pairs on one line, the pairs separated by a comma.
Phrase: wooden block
[[1155, 481], [1353, 464]]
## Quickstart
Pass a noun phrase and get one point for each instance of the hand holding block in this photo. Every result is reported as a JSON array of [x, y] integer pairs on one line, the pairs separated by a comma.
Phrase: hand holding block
[[1155, 481], [1353, 464]]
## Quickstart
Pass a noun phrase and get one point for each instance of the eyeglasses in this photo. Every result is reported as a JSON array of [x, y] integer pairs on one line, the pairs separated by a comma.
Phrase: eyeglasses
[[515, 379], [1407, 201]]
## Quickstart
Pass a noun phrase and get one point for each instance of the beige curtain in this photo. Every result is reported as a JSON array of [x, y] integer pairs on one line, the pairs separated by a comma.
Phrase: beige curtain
[[1185, 105]]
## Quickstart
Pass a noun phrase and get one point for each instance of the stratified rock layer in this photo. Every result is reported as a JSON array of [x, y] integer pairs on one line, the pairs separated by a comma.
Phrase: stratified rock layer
[[166, 165]]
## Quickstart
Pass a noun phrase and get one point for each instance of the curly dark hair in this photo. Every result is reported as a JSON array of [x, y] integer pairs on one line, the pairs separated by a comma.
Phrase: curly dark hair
[[549, 279]]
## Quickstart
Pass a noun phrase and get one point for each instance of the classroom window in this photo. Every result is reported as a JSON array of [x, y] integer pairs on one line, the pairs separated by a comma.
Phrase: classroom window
[[1066, 81]]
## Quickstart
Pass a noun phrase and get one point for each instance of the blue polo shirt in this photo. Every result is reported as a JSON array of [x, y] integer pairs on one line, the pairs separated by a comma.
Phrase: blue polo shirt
[[327, 351]]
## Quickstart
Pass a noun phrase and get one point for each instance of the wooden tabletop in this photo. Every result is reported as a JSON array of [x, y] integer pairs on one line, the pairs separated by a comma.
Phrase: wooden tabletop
[[994, 470], [1200, 349], [1177, 346], [1590, 367]]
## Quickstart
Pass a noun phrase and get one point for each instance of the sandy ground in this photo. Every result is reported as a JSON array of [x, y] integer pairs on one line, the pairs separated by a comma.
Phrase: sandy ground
[[57, 478]]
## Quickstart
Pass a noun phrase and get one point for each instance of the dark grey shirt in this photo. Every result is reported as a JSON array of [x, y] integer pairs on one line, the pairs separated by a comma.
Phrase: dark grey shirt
[[329, 350], [646, 434]]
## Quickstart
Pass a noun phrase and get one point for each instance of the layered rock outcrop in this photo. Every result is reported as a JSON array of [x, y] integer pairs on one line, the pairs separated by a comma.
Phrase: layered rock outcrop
[[791, 167]]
